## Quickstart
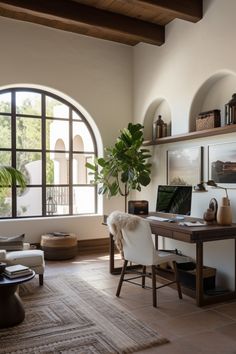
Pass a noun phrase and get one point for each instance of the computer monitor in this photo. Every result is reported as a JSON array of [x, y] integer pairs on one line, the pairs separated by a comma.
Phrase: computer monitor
[[174, 199]]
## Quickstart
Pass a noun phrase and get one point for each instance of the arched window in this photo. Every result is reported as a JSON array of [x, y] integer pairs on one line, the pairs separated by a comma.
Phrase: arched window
[[49, 140]]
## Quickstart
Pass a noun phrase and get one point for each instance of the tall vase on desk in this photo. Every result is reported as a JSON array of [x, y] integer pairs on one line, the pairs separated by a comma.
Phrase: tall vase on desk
[[224, 213]]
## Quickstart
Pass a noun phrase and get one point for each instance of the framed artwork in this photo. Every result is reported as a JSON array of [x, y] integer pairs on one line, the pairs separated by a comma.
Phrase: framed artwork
[[184, 166], [222, 162]]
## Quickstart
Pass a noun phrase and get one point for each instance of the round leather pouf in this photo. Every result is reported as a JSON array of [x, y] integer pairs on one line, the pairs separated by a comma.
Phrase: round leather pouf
[[59, 247]]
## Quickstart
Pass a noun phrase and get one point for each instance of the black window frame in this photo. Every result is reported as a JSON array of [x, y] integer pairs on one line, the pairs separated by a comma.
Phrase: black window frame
[[13, 150]]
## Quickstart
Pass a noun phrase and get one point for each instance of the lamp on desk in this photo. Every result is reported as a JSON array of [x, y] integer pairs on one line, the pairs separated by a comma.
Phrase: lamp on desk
[[224, 213], [201, 187]]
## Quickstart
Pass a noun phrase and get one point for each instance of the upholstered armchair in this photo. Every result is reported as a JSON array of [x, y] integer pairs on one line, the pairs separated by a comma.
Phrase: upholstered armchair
[[33, 259]]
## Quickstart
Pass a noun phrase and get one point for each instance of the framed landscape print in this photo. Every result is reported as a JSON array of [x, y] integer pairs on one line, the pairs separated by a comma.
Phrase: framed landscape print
[[184, 166], [222, 162]]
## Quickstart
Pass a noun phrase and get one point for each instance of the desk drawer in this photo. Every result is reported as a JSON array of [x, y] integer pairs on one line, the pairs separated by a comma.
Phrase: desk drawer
[[180, 236], [164, 232]]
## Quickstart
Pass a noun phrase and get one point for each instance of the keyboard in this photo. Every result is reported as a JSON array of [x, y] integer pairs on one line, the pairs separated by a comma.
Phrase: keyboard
[[156, 218]]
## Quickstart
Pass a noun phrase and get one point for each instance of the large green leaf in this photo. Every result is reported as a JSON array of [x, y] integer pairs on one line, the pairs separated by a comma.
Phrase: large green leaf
[[144, 179], [101, 162], [90, 166]]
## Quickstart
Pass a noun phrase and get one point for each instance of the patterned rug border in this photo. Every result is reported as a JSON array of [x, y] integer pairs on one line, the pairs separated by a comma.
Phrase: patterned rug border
[[68, 315]]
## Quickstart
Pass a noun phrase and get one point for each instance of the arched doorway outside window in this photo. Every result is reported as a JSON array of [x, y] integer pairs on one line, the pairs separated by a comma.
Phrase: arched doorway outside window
[[49, 140]]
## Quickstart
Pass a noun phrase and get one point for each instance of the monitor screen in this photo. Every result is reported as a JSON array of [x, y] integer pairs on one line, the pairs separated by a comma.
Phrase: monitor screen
[[174, 199]]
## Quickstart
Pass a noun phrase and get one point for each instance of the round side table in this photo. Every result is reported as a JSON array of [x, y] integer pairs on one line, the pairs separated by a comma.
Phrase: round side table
[[11, 308], [59, 247]]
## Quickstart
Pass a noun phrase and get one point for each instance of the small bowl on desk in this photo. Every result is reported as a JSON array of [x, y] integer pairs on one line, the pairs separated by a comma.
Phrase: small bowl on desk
[[2, 267]]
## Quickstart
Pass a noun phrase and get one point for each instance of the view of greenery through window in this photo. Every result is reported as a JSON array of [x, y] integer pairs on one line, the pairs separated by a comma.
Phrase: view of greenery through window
[[50, 141]]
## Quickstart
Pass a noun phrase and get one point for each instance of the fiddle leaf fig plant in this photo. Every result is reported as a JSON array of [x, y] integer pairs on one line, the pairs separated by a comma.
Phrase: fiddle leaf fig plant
[[125, 166]]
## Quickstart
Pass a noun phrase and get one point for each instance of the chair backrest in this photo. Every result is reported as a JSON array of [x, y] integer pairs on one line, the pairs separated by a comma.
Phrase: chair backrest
[[138, 244]]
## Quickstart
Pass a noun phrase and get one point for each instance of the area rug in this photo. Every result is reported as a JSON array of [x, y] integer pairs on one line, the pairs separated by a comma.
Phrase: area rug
[[67, 315]]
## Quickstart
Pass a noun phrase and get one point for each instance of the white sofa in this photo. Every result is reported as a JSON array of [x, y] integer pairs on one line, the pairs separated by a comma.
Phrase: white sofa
[[33, 259]]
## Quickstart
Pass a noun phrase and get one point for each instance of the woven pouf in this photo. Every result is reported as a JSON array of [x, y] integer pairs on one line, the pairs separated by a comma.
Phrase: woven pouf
[[59, 247]]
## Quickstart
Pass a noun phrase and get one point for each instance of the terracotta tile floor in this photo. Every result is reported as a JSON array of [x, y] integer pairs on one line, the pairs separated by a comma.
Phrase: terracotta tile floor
[[190, 329]]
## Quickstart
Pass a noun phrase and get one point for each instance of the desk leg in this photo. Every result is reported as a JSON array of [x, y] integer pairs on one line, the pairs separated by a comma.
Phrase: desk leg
[[112, 254], [199, 273]]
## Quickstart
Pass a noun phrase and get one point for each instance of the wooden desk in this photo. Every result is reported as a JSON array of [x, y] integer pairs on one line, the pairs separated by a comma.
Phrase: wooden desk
[[197, 235]]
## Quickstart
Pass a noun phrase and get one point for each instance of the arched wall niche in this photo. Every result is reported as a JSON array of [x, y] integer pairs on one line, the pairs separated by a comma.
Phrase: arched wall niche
[[214, 93], [158, 107]]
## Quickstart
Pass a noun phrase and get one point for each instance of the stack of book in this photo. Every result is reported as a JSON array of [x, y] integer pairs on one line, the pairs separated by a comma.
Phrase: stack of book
[[17, 271]]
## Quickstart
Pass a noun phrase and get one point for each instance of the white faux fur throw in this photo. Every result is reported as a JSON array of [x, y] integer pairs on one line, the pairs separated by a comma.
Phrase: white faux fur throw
[[116, 221]]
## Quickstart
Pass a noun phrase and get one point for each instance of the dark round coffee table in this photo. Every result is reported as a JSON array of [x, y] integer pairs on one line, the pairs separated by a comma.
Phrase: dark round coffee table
[[11, 308]]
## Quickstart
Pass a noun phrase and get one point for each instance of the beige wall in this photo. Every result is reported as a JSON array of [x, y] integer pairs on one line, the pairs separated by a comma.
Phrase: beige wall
[[95, 74], [195, 57]]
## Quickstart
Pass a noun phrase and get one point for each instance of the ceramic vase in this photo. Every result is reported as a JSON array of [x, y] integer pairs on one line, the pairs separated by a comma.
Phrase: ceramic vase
[[224, 213]]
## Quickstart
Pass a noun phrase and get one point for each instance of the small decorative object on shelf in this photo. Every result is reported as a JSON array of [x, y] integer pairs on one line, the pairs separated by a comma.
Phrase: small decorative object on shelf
[[164, 130], [208, 120], [230, 111], [157, 128]]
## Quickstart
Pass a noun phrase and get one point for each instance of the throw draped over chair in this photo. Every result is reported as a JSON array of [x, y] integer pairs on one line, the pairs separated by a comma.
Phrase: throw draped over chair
[[138, 247]]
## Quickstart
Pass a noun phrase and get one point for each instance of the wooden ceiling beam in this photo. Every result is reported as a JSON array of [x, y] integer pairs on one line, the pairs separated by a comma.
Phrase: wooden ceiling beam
[[75, 17], [189, 10]]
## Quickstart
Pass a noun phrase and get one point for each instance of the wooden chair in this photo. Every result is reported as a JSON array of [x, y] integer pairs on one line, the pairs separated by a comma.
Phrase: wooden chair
[[138, 247]]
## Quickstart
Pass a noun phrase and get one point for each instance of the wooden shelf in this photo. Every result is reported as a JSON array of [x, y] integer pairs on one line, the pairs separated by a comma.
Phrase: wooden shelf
[[192, 135]]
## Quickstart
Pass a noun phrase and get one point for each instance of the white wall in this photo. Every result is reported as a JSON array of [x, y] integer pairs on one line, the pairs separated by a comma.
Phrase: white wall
[[98, 75], [192, 54], [94, 73]]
